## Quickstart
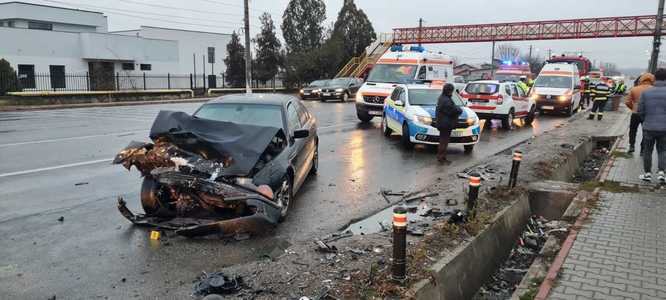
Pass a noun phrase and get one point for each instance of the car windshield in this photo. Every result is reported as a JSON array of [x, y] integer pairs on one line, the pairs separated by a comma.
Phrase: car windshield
[[562, 82], [507, 77], [339, 81], [239, 113], [481, 88], [318, 83], [392, 73], [429, 97]]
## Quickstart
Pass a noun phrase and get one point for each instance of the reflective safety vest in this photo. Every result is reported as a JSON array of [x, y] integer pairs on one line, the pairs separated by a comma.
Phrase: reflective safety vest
[[620, 88], [587, 87], [523, 86], [530, 82], [600, 92]]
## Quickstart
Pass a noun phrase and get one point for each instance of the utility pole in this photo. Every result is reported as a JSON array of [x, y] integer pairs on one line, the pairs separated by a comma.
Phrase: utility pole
[[420, 30], [550, 54], [248, 54], [194, 64], [530, 53], [654, 59]]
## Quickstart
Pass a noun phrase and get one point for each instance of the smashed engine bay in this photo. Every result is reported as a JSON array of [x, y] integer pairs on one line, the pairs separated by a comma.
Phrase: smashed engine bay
[[203, 176]]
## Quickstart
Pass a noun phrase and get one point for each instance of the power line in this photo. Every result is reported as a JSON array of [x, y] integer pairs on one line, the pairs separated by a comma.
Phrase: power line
[[229, 4], [182, 9], [142, 16]]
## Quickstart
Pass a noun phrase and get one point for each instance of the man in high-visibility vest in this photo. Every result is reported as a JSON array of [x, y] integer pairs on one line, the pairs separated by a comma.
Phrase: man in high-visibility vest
[[600, 92], [522, 84], [620, 88], [587, 89]]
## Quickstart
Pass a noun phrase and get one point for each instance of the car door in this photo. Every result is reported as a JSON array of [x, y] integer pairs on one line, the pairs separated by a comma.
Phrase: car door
[[392, 111], [296, 155], [308, 123], [520, 100], [355, 85]]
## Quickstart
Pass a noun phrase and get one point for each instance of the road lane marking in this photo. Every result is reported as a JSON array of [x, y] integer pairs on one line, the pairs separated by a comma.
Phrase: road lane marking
[[124, 133], [339, 125], [84, 163]]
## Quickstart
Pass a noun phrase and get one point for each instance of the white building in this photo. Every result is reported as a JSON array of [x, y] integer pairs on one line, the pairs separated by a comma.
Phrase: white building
[[39, 39]]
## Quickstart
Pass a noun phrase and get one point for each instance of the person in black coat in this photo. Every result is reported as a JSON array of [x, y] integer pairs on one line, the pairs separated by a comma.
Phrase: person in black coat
[[446, 117]]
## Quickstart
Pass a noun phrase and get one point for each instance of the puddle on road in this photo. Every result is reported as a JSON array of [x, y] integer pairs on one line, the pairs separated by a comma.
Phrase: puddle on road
[[382, 220]]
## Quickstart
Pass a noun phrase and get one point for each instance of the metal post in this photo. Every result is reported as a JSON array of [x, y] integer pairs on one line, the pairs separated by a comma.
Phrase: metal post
[[399, 244], [191, 83], [492, 62], [223, 80], [117, 81], [248, 56], [515, 165], [144, 81], [473, 195], [204, 72], [420, 30], [87, 81], [169, 80], [654, 59]]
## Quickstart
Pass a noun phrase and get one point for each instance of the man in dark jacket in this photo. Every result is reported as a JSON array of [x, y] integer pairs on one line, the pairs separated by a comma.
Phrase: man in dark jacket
[[446, 117], [652, 111]]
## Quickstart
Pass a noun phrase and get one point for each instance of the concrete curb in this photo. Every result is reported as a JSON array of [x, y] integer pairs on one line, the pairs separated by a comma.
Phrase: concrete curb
[[458, 276], [98, 104]]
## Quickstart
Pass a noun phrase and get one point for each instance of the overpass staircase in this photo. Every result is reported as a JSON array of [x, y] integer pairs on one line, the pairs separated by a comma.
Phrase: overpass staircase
[[359, 64]]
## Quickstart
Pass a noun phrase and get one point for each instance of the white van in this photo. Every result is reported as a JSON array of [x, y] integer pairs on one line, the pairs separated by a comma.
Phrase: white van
[[557, 89], [399, 66]]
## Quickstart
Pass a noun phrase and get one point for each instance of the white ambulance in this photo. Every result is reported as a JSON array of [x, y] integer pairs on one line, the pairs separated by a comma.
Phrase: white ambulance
[[399, 66]]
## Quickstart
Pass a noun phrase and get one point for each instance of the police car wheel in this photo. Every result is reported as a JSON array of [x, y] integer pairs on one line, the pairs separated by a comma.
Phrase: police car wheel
[[404, 138], [345, 97], [385, 129], [469, 148], [363, 116]]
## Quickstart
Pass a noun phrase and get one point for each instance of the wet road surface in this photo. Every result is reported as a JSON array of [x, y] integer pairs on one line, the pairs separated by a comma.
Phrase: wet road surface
[[57, 163]]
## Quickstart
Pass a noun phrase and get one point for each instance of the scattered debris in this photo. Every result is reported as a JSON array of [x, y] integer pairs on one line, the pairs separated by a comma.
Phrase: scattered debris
[[80, 183], [325, 248], [451, 202], [217, 283], [419, 197], [61, 219]]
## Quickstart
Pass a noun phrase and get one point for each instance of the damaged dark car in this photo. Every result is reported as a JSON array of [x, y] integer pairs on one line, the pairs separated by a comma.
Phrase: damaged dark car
[[232, 167]]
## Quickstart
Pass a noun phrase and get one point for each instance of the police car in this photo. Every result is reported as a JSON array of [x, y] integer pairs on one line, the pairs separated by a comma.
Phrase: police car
[[492, 99], [409, 112]]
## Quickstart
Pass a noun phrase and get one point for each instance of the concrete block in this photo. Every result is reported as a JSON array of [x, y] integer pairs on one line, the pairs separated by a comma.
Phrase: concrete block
[[550, 199]]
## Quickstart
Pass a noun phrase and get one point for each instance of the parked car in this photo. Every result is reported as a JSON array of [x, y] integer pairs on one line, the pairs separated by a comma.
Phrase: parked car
[[235, 164], [343, 88], [492, 99], [313, 90], [409, 112], [557, 88]]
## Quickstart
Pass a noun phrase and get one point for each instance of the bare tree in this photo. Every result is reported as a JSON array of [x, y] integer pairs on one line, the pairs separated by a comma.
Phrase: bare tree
[[507, 52]]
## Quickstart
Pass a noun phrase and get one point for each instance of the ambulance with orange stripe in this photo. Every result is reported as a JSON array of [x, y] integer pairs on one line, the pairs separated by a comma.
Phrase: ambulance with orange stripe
[[557, 89], [395, 67]]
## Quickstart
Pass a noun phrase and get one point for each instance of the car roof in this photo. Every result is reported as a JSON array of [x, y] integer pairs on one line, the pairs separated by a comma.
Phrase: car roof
[[488, 81], [269, 98]]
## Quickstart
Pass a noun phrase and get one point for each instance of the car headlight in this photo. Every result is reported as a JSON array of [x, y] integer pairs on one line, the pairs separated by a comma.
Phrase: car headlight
[[534, 97], [470, 121], [301, 91], [423, 120], [359, 97], [339, 90], [316, 91], [564, 98]]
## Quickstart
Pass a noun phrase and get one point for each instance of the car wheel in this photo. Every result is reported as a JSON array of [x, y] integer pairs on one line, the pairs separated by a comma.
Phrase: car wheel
[[284, 196], [345, 97], [507, 122], [385, 129], [569, 111], [363, 116], [154, 199], [315, 160], [469, 149], [404, 138], [530, 116], [322, 99]]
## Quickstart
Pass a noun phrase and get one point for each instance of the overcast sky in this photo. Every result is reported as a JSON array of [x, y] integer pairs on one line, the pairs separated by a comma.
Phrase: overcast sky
[[226, 16]]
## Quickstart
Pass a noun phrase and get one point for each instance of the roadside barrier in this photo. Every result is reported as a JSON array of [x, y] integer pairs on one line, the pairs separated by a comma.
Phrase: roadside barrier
[[399, 244], [474, 185], [515, 165]]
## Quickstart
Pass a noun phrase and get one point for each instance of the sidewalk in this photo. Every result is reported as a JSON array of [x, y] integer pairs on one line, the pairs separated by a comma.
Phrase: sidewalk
[[620, 252]]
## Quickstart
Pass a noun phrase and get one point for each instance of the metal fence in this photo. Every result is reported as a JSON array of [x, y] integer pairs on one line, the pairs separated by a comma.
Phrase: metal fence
[[15, 82]]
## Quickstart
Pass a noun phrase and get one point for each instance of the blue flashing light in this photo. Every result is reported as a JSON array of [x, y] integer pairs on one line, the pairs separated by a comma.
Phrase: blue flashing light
[[396, 48], [524, 63], [417, 49], [507, 62]]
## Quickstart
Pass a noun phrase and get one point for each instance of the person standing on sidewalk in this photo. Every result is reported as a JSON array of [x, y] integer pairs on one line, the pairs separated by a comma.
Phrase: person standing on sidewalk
[[600, 93], [587, 89], [645, 82], [652, 111], [446, 117]]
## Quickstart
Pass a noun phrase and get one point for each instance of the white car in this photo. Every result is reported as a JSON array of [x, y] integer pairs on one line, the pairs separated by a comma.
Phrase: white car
[[491, 99], [409, 112]]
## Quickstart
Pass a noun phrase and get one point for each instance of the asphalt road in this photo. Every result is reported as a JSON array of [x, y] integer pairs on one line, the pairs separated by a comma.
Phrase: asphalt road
[[57, 163]]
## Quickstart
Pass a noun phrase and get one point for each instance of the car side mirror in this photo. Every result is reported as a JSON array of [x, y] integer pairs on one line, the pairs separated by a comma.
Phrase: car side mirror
[[302, 133], [399, 103]]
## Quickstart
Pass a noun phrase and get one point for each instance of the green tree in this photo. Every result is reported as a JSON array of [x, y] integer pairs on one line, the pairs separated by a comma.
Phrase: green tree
[[235, 62], [354, 29], [302, 25], [7, 77], [268, 56]]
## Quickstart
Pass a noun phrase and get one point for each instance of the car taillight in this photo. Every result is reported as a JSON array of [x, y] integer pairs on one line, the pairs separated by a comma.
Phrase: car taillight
[[500, 100]]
